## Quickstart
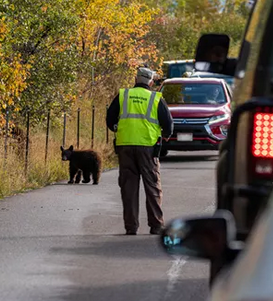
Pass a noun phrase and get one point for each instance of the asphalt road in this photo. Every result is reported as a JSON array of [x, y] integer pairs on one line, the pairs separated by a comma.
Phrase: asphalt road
[[67, 242]]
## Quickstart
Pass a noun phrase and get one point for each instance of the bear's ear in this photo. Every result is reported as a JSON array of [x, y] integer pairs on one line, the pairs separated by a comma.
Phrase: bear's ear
[[71, 148], [62, 149]]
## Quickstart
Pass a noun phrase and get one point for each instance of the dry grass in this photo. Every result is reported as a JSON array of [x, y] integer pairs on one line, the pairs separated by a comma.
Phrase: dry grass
[[41, 173]]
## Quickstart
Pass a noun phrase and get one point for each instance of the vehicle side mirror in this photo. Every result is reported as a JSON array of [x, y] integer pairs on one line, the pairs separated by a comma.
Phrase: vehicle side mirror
[[202, 237], [212, 55]]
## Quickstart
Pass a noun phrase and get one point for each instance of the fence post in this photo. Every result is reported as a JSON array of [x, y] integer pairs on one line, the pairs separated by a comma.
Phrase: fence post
[[64, 129], [107, 131], [47, 134], [78, 129], [93, 126], [27, 143], [6, 138]]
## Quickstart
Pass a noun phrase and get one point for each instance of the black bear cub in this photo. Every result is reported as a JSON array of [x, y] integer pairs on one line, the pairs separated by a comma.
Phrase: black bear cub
[[82, 162]]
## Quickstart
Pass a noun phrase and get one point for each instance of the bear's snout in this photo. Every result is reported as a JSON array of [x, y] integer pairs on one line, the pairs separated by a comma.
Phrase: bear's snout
[[64, 158]]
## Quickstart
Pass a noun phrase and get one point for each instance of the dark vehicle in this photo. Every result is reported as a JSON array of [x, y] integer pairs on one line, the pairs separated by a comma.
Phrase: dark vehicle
[[245, 166], [201, 112], [176, 68]]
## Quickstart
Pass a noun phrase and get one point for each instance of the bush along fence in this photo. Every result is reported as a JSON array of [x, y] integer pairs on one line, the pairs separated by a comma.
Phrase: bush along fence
[[95, 126]]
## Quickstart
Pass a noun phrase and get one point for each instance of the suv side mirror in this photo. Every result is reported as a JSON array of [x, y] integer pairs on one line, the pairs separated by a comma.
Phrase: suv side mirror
[[202, 237], [212, 55]]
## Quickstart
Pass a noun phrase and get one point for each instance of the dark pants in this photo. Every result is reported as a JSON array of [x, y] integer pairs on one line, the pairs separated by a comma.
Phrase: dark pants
[[136, 161]]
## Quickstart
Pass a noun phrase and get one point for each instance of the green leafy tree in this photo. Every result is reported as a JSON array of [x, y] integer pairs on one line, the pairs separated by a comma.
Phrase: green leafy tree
[[40, 34]]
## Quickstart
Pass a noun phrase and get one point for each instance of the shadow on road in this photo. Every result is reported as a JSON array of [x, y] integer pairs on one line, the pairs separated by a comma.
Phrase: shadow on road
[[75, 184], [185, 289], [119, 246], [189, 158]]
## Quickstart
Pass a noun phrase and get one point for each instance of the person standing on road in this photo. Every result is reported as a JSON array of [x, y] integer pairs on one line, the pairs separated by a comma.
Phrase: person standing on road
[[140, 117]]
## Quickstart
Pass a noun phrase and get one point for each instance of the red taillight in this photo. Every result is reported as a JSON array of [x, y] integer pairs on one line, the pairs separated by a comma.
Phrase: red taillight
[[262, 139], [262, 144]]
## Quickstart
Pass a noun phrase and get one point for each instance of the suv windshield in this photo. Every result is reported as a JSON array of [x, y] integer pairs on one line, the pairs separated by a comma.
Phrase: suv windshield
[[193, 93]]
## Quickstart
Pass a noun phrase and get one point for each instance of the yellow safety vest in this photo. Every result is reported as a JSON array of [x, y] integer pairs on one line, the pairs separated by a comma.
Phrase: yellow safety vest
[[138, 120]]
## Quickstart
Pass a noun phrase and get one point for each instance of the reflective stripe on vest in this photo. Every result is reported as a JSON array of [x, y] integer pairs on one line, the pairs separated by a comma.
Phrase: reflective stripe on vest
[[125, 113]]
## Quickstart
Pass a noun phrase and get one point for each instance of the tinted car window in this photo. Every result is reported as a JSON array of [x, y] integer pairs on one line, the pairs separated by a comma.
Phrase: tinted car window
[[191, 93], [263, 72]]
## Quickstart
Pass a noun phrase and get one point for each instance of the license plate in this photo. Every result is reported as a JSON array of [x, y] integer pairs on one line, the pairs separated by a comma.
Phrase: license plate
[[184, 137]]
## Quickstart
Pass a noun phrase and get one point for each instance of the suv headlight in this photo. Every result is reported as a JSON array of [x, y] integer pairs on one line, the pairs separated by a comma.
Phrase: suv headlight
[[218, 118]]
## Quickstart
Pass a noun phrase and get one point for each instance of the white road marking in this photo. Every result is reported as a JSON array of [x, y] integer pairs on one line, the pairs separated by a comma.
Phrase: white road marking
[[190, 187], [173, 274], [177, 263]]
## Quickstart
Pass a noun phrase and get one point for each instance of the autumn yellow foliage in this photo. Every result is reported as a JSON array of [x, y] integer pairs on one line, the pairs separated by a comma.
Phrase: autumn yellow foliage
[[13, 75]]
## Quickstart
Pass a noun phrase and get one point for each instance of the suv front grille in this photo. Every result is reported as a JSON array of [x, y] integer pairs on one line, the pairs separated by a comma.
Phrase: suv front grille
[[190, 120]]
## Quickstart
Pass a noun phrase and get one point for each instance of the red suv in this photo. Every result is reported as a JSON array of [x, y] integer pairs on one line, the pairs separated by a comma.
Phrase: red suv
[[201, 113]]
